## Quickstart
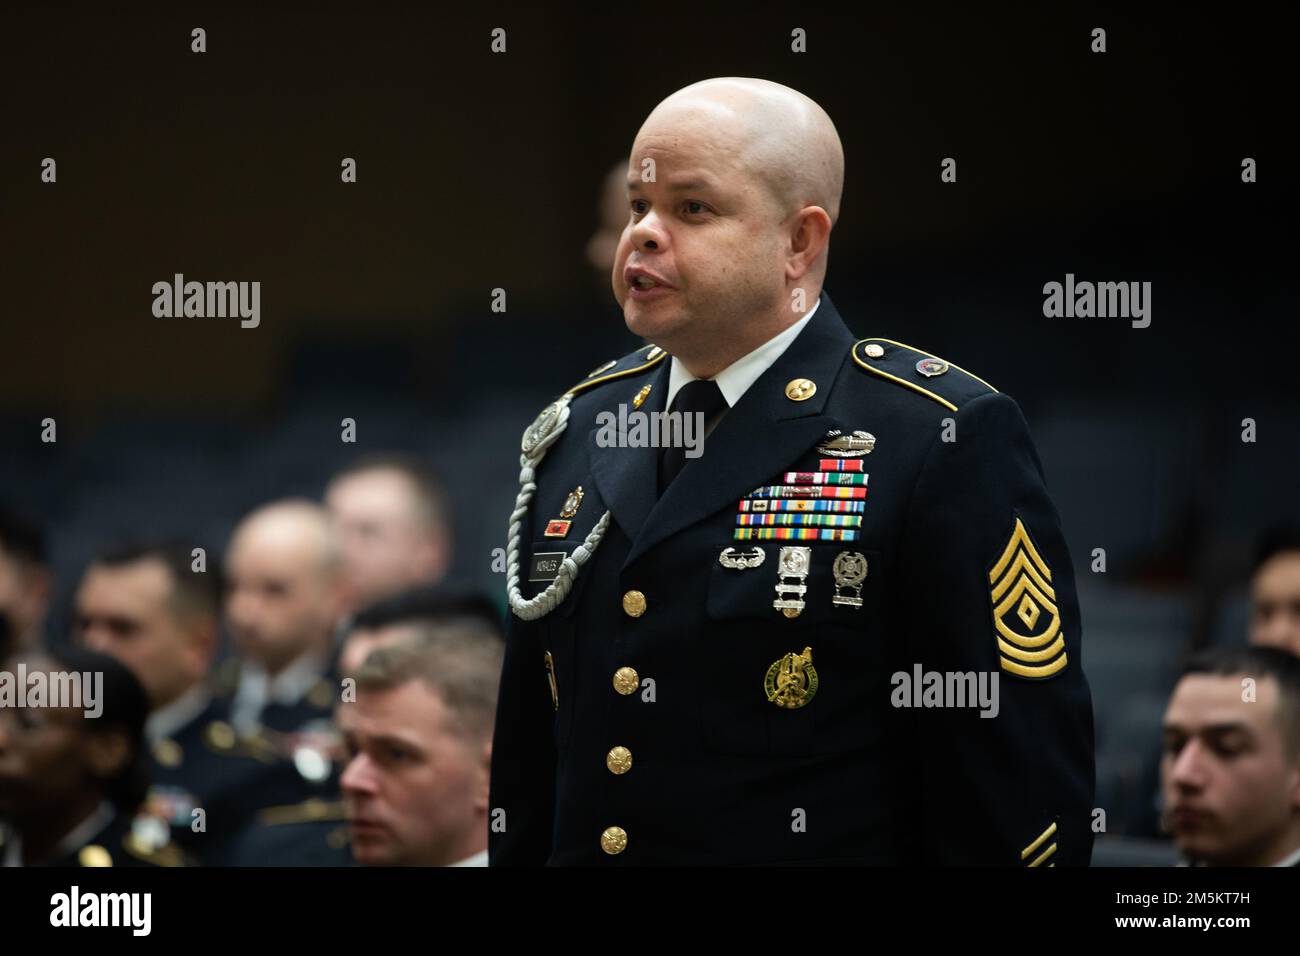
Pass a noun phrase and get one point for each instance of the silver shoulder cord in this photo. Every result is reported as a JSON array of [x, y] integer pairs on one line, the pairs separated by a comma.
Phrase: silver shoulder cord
[[538, 438]]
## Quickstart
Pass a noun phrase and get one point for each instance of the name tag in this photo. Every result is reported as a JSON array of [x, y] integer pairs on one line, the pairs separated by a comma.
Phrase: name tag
[[545, 566]]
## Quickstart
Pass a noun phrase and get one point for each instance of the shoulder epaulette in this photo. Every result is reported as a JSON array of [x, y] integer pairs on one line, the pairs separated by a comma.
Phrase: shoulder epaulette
[[949, 385], [643, 358], [309, 810]]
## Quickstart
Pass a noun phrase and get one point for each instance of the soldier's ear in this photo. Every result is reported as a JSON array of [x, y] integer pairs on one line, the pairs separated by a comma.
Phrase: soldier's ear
[[810, 234]]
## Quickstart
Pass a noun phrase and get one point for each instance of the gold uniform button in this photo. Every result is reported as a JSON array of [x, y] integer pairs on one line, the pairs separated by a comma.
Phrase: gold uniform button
[[626, 680], [614, 840], [800, 389], [633, 603], [168, 753], [874, 351], [96, 856], [619, 760]]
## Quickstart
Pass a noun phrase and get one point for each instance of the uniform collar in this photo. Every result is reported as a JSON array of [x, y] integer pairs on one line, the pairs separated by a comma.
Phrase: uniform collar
[[478, 859], [1292, 859], [76, 838], [167, 720], [763, 433], [735, 379], [257, 688]]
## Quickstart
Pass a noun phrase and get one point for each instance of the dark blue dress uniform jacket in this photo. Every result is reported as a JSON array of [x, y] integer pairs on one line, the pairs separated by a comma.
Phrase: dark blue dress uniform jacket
[[967, 572]]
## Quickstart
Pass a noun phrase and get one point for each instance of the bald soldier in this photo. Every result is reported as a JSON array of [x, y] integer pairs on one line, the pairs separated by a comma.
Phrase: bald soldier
[[820, 611], [285, 593]]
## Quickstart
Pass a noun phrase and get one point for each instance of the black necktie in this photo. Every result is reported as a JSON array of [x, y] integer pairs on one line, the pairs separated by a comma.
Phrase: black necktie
[[702, 396]]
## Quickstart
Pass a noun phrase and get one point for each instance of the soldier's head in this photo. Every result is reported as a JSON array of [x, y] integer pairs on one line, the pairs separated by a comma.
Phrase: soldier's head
[[61, 758], [284, 583], [418, 739], [25, 580], [390, 514], [145, 604], [1230, 772], [611, 212], [410, 613], [1275, 591], [733, 187]]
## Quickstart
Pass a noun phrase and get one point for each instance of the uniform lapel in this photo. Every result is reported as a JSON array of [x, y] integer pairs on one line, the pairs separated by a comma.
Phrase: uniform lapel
[[757, 439], [626, 477]]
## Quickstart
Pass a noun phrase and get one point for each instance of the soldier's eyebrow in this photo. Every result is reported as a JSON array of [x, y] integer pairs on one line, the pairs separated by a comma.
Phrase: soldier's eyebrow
[[675, 185], [391, 740], [1219, 729]]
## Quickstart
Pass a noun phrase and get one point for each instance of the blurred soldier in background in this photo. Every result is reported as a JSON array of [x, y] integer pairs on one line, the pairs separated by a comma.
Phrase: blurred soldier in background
[[25, 579], [1231, 768], [146, 606], [612, 211], [390, 515], [1275, 591], [70, 784], [419, 743], [404, 615], [285, 595]]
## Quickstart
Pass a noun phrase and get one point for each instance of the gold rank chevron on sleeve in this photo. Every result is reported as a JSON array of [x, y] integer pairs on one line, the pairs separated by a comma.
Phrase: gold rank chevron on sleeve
[[1025, 614]]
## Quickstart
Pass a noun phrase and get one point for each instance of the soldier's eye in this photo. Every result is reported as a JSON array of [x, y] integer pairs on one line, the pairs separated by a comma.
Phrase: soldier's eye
[[695, 208]]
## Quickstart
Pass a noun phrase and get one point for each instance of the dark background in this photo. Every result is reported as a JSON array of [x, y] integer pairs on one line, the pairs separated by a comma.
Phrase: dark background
[[478, 170]]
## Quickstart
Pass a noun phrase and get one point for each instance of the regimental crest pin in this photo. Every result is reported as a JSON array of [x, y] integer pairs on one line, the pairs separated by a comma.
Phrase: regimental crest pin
[[641, 396], [792, 681], [930, 367], [572, 503], [838, 445]]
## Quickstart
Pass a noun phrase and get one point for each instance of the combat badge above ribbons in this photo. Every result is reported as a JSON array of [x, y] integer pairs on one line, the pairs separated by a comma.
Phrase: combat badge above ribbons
[[1025, 614]]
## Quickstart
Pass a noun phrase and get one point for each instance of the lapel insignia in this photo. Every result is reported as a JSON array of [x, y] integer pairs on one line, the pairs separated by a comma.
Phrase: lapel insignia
[[1025, 615], [800, 389], [792, 681], [572, 503], [850, 571], [793, 563], [838, 445], [730, 558], [641, 396]]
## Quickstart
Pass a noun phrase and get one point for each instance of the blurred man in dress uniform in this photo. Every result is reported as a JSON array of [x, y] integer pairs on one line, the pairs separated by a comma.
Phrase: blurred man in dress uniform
[[72, 772], [822, 611], [391, 524], [418, 739], [285, 594], [146, 605]]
